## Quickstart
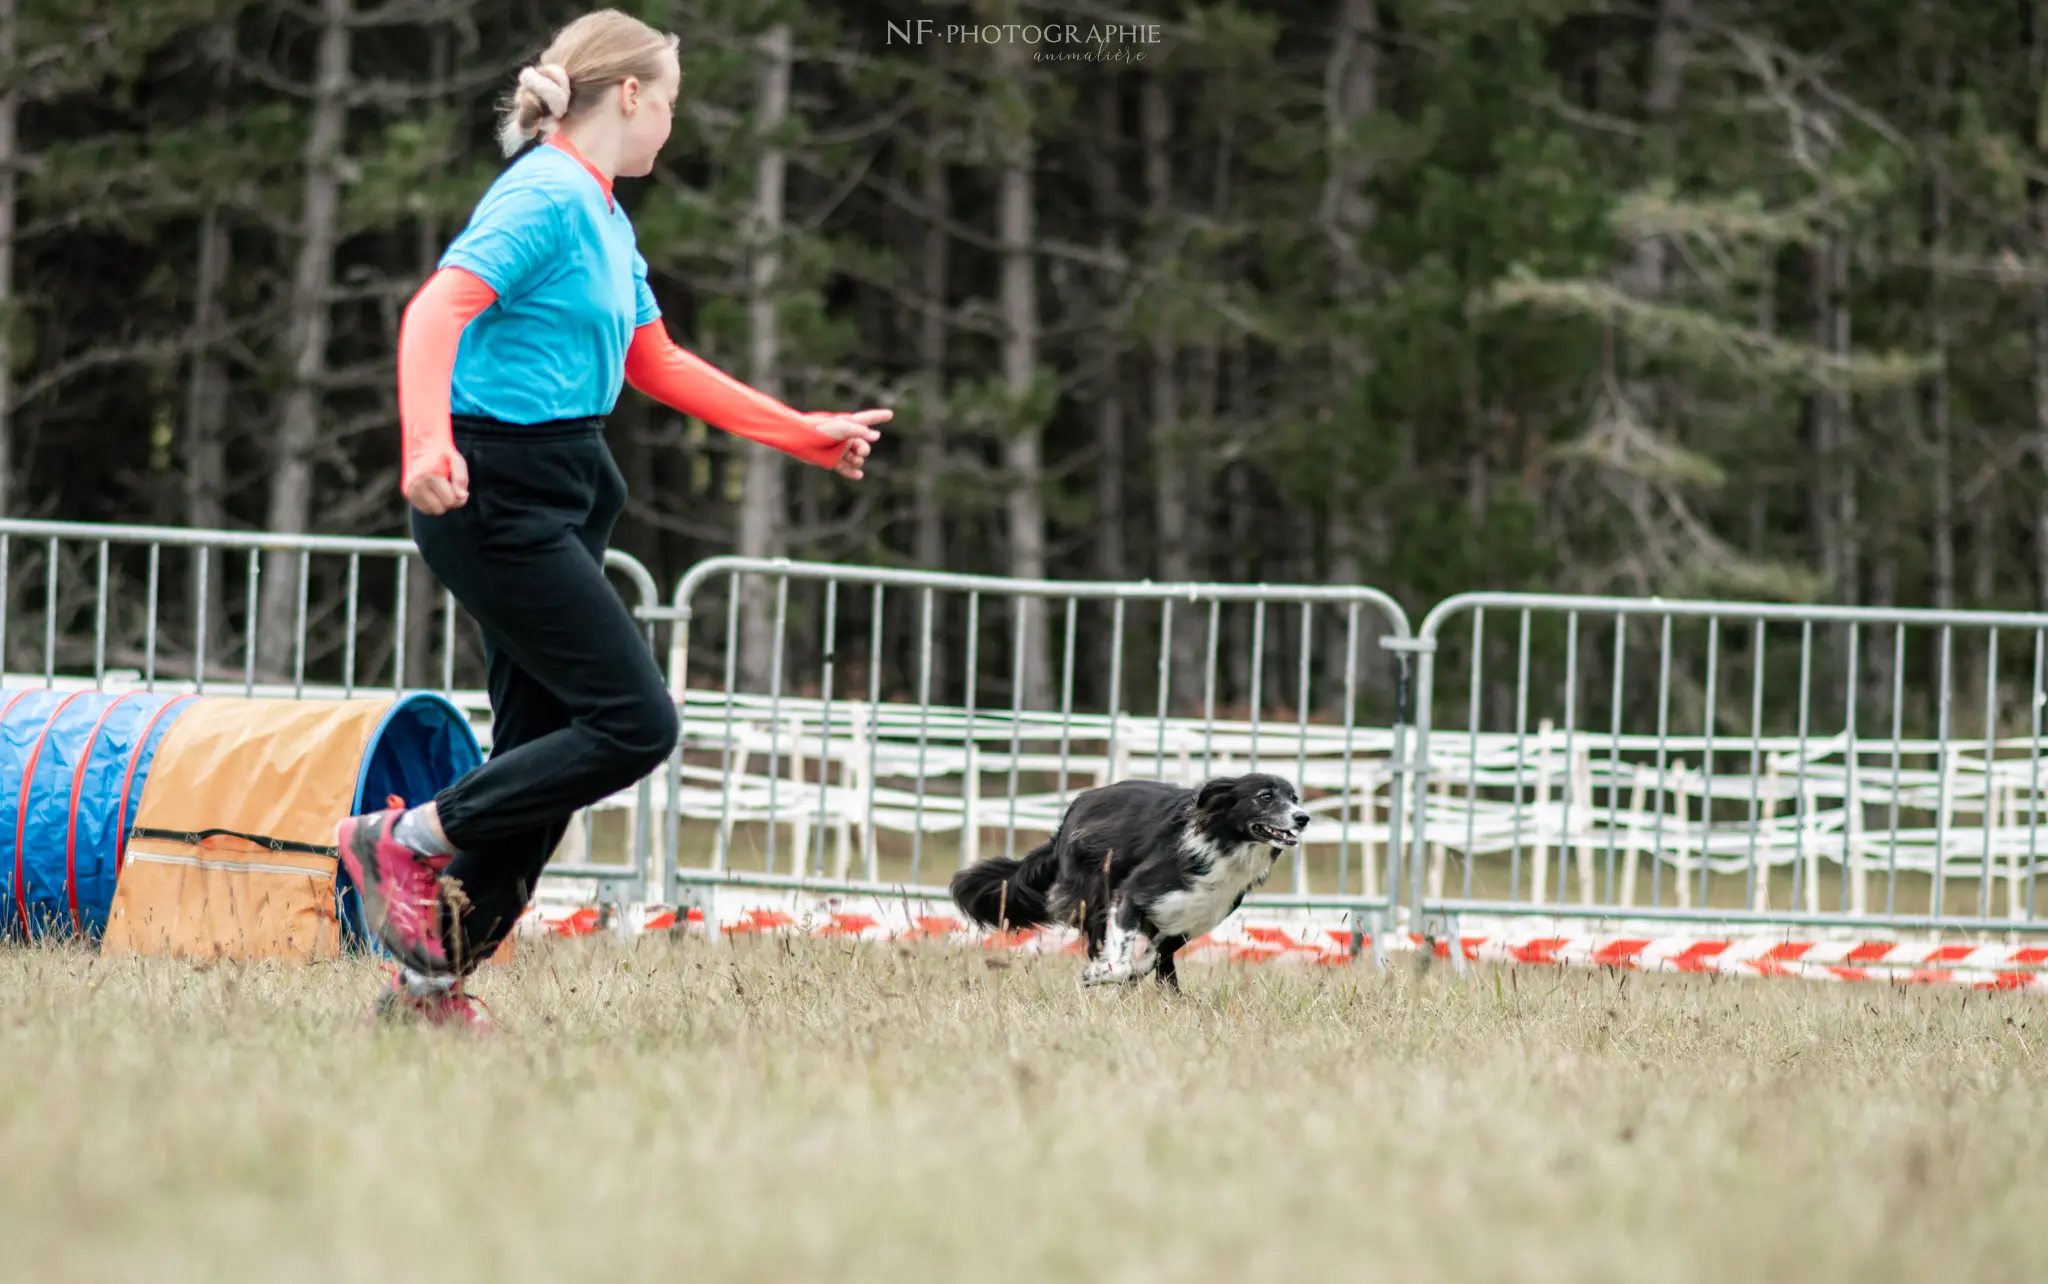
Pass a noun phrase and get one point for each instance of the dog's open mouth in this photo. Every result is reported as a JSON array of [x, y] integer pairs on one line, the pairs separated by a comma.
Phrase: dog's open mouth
[[1274, 834]]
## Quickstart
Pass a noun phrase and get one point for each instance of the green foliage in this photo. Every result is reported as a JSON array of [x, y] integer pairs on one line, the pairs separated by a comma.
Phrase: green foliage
[[409, 172], [1502, 325]]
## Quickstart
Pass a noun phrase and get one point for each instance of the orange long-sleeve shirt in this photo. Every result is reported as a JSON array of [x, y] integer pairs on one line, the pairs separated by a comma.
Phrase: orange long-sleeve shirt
[[431, 333]]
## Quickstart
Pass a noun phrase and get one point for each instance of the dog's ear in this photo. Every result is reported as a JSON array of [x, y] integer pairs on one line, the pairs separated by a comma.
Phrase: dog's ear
[[1213, 792]]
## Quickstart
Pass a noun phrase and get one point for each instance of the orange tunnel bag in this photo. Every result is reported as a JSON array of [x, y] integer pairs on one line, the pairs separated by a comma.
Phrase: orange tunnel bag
[[232, 850]]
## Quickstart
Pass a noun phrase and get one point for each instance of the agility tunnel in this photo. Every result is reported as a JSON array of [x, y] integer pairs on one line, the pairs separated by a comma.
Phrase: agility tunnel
[[203, 826]]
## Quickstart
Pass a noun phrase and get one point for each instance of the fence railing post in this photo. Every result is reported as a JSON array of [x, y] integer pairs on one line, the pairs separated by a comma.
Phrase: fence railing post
[[1408, 797]]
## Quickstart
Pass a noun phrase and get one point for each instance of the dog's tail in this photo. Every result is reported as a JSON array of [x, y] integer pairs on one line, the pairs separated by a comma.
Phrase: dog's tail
[[1003, 892]]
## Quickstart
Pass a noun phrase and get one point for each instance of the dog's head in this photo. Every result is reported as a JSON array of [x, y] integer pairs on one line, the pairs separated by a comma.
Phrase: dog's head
[[1255, 808]]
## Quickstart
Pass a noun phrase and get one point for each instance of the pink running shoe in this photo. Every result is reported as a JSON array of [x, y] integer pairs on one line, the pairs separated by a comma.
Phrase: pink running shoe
[[399, 890], [436, 1005]]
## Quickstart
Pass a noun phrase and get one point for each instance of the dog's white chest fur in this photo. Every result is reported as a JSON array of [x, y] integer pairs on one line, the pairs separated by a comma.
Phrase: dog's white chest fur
[[1217, 877]]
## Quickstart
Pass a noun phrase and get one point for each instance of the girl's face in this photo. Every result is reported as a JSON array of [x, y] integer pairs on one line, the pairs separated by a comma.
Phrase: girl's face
[[650, 111]]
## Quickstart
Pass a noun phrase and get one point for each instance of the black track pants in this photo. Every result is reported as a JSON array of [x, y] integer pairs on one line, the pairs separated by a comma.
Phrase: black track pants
[[579, 708]]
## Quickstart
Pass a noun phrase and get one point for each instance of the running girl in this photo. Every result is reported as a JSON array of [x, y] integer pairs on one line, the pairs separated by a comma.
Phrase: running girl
[[509, 357]]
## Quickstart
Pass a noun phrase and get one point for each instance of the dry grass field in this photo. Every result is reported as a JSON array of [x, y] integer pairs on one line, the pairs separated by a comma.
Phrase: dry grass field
[[764, 1110]]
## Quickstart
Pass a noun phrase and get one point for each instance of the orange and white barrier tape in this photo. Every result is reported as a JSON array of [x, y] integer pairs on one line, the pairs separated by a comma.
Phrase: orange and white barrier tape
[[1325, 939], [1990, 967], [1243, 938]]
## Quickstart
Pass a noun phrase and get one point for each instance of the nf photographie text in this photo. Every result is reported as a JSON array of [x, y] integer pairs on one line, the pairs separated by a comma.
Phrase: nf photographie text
[[918, 31]]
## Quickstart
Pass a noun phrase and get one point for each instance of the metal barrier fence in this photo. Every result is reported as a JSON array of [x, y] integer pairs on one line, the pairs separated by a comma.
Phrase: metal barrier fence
[[261, 615], [1595, 787], [866, 731], [846, 717]]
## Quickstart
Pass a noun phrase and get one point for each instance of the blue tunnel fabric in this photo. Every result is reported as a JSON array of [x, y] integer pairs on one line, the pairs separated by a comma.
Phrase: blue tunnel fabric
[[72, 770], [58, 862]]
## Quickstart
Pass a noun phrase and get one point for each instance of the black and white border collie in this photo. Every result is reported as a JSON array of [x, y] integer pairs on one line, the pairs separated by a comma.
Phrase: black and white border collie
[[1142, 867]]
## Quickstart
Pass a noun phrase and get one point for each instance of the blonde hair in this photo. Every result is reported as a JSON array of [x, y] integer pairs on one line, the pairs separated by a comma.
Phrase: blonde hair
[[585, 59]]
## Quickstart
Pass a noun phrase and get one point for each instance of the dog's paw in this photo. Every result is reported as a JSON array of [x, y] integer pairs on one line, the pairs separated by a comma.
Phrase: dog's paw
[[1126, 955], [1129, 969], [1099, 974], [1144, 957], [1103, 972]]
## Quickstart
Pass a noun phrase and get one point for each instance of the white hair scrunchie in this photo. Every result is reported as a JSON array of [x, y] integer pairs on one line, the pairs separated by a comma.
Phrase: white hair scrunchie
[[549, 83]]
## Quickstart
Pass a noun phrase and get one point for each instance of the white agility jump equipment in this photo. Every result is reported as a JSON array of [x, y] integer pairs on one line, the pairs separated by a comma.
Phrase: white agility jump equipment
[[1521, 770]]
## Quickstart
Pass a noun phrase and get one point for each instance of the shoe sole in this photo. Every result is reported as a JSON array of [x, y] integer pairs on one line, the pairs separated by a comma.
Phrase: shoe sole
[[392, 1008]]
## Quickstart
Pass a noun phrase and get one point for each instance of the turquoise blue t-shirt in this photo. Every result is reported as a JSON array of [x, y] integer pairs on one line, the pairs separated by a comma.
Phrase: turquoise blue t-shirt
[[572, 288]]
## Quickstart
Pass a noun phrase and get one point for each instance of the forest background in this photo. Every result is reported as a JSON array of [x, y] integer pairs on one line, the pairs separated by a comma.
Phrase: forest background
[[1680, 296]]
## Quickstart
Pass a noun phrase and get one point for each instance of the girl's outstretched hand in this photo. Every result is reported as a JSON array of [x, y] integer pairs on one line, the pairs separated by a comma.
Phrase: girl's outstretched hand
[[856, 430]]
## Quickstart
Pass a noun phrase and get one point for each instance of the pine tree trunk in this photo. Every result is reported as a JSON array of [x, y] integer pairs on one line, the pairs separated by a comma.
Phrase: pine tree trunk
[[932, 336], [1351, 97], [1848, 525], [1985, 550], [1647, 275], [1643, 400], [10, 110], [1842, 549], [1232, 564], [1668, 52], [762, 503], [206, 397], [1833, 501], [1112, 559], [1936, 408], [206, 400], [1172, 521], [1023, 463], [290, 507], [2037, 208], [2014, 650], [1478, 455], [933, 333], [1875, 650], [2040, 346], [1241, 552], [1820, 493]]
